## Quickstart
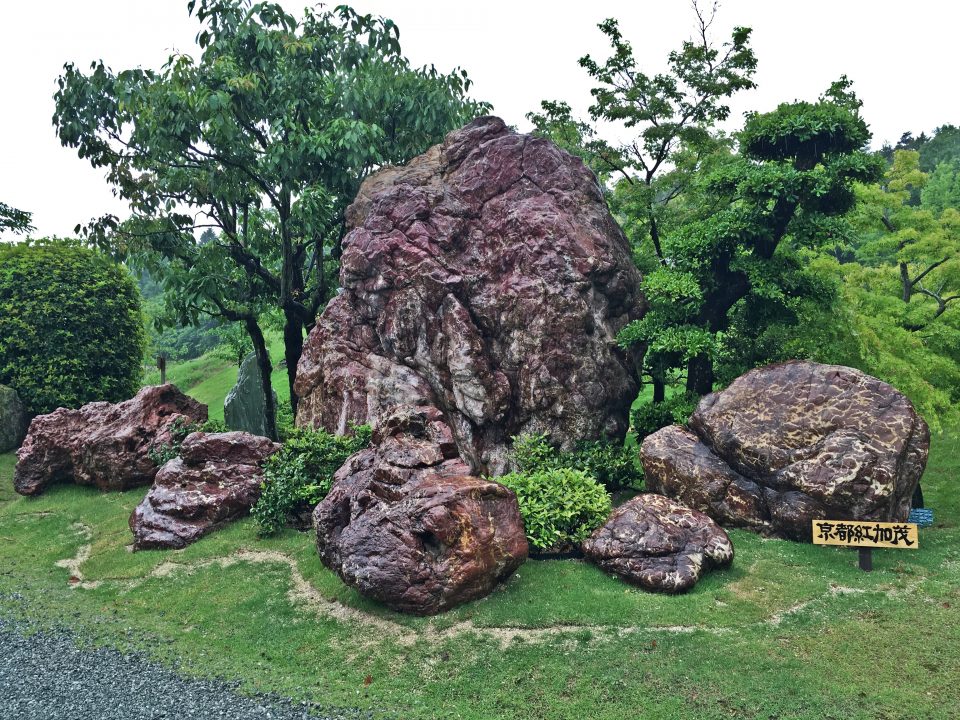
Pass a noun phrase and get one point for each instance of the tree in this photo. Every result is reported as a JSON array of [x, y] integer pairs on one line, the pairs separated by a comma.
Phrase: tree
[[17, 221], [672, 116], [264, 139], [787, 189], [71, 330]]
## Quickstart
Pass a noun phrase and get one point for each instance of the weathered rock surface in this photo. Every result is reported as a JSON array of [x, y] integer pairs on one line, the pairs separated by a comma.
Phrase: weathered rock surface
[[244, 407], [215, 480], [102, 444], [659, 544], [789, 443], [487, 279], [13, 419], [406, 524]]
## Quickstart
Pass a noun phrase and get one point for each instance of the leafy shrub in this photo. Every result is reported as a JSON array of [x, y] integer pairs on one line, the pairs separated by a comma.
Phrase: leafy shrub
[[298, 476], [71, 329], [613, 465], [649, 417], [560, 507]]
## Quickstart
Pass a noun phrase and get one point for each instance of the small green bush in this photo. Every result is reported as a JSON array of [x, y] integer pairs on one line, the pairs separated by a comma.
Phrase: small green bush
[[560, 507], [71, 328], [613, 465], [298, 476], [649, 417], [162, 453]]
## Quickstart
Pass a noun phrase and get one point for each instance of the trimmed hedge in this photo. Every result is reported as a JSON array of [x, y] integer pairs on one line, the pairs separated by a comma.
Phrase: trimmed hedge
[[71, 328]]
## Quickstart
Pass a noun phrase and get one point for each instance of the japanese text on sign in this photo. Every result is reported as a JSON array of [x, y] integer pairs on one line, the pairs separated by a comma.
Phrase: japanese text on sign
[[865, 534]]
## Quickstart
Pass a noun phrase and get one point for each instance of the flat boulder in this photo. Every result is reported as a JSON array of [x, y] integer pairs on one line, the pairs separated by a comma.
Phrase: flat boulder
[[487, 279], [13, 419], [406, 524], [790, 443], [215, 480], [658, 544], [103, 444]]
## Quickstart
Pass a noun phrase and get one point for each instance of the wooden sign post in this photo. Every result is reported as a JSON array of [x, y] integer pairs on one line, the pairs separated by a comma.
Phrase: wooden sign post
[[162, 367], [865, 536]]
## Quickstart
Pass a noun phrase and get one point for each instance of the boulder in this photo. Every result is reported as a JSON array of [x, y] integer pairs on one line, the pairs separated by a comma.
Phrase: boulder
[[103, 444], [406, 524], [244, 407], [215, 480], [658, 544], [486, 278], [13, 419], [789, 443]]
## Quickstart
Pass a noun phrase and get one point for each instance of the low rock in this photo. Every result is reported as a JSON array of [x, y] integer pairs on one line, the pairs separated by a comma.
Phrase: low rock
[[13, 419], [215, 480], [659, 544], [406, 524], [244, 407], [103, 444], [787, 444]]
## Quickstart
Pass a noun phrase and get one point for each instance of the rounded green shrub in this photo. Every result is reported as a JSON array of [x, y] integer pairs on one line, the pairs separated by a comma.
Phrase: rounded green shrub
[[648, 417], [299, 475], [71, 328], [614, 466], [560, 507]]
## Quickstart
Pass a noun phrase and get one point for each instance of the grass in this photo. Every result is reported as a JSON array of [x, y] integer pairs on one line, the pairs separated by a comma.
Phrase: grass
[[209, 377], [789, 631]]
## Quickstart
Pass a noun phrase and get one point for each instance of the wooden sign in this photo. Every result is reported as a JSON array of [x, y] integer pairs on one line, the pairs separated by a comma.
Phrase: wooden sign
[[855, 533]]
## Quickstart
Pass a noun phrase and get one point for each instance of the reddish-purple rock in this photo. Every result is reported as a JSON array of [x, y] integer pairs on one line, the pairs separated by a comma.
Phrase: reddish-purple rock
[[103, 444], [658, 544], [787, 444], [215, 480], [405, 523], [487, 279]]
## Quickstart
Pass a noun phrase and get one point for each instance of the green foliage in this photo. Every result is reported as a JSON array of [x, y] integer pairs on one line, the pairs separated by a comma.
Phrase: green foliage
[[71, 330], [17, 221], [560, 507], [610, 464], [162, 453], [648, 417], [942, 190], [298, 476]]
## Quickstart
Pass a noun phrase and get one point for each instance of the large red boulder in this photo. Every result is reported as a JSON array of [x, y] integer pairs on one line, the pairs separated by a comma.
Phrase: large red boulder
[[658, 544], [789, 443], [103, 444], [406, 524], [215, 480], [486, 278]]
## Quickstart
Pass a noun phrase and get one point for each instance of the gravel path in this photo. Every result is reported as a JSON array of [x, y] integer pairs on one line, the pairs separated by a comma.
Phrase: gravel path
[[46, 676]]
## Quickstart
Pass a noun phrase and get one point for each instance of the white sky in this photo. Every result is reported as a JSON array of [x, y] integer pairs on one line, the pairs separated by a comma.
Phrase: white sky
[[901, 57]]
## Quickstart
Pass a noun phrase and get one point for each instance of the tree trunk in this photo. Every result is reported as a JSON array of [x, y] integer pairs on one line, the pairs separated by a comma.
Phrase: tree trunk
[[266, 368], [700, 375], [659, 390], [906, 285], [292, 349]]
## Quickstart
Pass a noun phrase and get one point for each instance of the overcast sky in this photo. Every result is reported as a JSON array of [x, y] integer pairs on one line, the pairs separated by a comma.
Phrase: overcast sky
[[901, 56]]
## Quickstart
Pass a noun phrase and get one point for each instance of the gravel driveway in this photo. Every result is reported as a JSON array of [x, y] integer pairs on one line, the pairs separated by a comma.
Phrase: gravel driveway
[[46, 676]]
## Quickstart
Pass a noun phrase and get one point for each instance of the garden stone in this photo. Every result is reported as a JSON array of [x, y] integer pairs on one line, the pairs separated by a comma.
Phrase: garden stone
[[215, 480], [485, 278], [790, 443], [658, 544], [244, 408], [103, 444], [13, 419], [406, 524]]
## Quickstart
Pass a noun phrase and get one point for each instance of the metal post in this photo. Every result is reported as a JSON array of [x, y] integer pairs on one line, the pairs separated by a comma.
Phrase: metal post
[[866, 559]]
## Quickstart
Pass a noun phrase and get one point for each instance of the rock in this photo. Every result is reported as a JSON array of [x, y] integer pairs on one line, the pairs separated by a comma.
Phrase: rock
[[789, 443], [406, 524], [13, 419], [215, 480], [103, 444], [658, 544], [244, 407], [486, 278]]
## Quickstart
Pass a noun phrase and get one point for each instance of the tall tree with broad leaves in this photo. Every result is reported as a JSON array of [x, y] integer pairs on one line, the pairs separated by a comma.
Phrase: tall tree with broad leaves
[[265, 139], [17, 221]]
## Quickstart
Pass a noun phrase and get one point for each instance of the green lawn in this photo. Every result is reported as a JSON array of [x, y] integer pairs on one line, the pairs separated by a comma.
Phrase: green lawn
[[209, 378], [790, 631]]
